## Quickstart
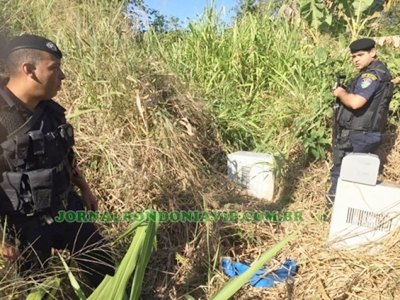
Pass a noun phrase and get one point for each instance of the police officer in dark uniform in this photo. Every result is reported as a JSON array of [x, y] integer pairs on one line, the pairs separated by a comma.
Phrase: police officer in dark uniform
[[37, 169], [363, 107]]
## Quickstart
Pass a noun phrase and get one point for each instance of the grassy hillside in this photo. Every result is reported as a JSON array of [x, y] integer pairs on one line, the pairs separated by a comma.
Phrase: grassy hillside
[[267, 81], [155, 115]]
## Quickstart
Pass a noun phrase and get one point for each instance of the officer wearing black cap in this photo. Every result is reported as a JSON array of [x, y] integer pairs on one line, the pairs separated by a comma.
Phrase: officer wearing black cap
[[28, 41], [37, 169], [364, 106]]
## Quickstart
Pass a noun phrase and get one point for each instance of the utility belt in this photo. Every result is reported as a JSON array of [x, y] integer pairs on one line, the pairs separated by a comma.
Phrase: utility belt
[[343, 144], [37, 191]]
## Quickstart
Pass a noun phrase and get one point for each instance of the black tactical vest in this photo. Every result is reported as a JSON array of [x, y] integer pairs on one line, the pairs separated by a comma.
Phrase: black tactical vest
[[35, 158], [373, 115]]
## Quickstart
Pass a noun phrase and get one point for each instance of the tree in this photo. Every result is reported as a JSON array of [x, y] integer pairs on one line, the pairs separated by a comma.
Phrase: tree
[[146, 17], [246, 6], [388, 23], [256, 6], [342, 16]]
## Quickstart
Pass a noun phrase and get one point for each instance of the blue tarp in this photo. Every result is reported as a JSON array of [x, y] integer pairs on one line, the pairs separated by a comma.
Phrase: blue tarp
[[262, 278]]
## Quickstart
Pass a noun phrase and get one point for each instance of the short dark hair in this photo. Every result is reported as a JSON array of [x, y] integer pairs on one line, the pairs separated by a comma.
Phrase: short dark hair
[[16, 58]]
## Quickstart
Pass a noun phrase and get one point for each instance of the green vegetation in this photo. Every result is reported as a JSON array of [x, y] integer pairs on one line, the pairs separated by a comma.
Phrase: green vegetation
[[155, 112], [266, 80], [246, 75]]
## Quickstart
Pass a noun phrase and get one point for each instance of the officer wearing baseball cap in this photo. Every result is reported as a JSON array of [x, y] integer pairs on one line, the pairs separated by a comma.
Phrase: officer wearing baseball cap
[[38, 172], [30, 41], [364, 106], [363, 44]]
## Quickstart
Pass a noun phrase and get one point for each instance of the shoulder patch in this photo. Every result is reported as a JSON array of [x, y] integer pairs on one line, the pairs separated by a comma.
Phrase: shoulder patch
[[366, 82], [369, 75]]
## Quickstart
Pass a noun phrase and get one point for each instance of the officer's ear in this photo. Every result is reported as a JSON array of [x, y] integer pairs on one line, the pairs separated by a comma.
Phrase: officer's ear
[[372, 52], [28, 69]]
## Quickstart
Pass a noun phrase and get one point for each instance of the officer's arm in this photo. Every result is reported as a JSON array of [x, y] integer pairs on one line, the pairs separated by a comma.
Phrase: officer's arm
[[78, 179], [350, 100], [89, 200], [7, 250]]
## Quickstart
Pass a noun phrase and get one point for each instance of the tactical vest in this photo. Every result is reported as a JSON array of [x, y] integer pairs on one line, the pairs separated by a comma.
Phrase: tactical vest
[[373, 115], [35, 162]]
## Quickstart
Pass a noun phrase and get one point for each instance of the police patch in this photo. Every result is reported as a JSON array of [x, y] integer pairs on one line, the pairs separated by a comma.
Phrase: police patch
[[369, 75], [366, 82]]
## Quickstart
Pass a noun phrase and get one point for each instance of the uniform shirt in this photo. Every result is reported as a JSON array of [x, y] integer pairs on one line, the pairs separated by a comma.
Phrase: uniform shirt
[[18, 106], [367, 84], [372, 83], [49, 116], [25, 114]]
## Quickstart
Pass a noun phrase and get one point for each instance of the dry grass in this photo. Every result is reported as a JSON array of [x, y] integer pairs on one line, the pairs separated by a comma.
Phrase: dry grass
[[325, 273], [174, 161], [161, 150]]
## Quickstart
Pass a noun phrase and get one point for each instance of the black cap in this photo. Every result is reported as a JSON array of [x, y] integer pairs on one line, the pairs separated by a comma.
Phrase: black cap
[[363, 44], [29, 41]]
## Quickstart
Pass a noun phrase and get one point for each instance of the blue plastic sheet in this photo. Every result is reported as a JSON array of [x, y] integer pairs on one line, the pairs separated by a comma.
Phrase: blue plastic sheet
[[262, 278]]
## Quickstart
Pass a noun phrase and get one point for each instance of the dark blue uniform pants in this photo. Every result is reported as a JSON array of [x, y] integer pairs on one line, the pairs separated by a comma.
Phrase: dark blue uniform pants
[[362, 142], [86, 245]]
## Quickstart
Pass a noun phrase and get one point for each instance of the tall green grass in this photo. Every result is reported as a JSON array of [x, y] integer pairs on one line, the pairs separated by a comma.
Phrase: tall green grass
[[138, 145], [89, 45], [266, 81]]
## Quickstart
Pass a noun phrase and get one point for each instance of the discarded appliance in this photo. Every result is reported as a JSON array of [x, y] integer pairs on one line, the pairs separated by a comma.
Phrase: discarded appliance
[[360, 168], [364, 210], [254, 172]]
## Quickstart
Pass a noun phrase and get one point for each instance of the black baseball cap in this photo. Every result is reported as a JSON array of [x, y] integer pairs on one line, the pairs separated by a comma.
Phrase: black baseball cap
[[30, 41], [364, 44]]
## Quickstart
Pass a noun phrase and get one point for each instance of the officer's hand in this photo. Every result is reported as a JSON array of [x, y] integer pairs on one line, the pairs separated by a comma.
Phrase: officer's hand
[[89, 200], [338, 91], [9, 252]]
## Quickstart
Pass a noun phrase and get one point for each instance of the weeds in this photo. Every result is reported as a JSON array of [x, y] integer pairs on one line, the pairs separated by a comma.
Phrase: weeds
[[148, 138]]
